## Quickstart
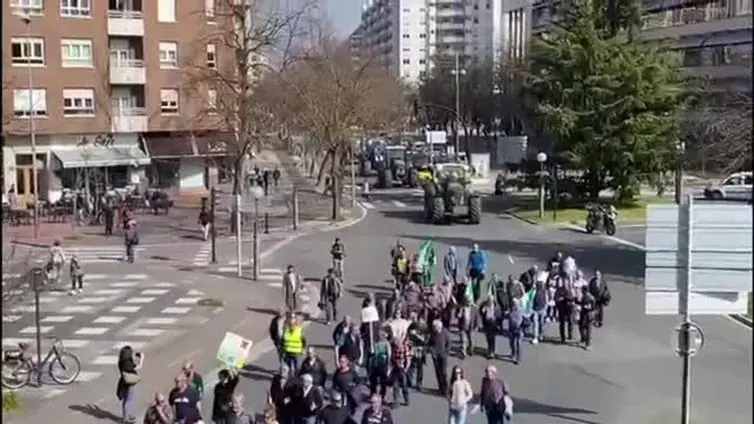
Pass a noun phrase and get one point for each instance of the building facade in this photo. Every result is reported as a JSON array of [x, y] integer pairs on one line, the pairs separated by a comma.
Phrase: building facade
[[714, 37], [99, 87], [406, 36]]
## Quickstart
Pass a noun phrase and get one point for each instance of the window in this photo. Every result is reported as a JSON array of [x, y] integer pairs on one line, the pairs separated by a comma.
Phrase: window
[[28, 51], [76, 53], [422, 61], [32, 7], [406, 35], [406, 61], [78, 102], [168, 55], [211, 56], [209, 8], [166, 10], [23, 104], [75, 8], [733, 181], [422, 35], [212, 99], [168, 101]]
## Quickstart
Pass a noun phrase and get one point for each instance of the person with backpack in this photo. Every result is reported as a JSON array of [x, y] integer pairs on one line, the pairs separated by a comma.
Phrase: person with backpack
[[379, 366], [494, 399], [330, 291]]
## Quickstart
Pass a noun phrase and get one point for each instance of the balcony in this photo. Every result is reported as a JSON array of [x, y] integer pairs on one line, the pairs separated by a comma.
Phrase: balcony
[[693, 21], [125, 22], [451, 13], [129, 72], [129, 120]]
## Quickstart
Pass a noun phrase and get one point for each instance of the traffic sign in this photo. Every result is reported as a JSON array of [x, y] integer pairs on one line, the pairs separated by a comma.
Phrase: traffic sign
[[695, 339]]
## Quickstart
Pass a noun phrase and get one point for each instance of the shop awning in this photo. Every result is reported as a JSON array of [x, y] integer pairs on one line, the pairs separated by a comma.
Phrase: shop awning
[[89, 156], [217, 144], [171, 146]]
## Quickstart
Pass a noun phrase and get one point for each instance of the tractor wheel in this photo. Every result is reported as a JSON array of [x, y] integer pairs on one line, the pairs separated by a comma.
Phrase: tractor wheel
[[413, 178], [388, 178], [382, 178], [475, 210], [430, 189], [438, 210]]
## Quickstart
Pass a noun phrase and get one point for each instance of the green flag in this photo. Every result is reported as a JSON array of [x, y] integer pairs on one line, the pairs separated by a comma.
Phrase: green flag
[[527, 301], [427, 259]]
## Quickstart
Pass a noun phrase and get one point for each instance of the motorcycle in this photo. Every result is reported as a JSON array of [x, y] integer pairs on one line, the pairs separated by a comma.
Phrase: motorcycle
[[601, 218]]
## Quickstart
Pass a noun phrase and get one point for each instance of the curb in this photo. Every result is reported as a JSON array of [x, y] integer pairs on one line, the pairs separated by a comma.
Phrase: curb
[[743, 319]]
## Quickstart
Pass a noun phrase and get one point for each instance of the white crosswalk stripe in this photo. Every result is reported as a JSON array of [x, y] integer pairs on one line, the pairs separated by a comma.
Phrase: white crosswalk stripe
[[368, 205], [93, 255], [399, 204]]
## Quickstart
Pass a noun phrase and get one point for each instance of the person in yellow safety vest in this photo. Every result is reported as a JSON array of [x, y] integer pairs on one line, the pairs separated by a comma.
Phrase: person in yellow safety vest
[[294, 343]]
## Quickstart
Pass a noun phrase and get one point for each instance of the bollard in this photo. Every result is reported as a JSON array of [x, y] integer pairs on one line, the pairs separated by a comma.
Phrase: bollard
[[255, 253], [266, 223], [295, 209]]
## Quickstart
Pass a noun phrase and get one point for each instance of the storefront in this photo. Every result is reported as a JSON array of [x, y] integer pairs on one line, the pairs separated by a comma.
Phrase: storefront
[[187, 162], [71, 162]]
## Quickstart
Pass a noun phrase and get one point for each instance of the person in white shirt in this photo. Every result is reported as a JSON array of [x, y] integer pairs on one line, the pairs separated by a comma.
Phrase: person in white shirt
[[461, 394], [291, 286], [399, 326]]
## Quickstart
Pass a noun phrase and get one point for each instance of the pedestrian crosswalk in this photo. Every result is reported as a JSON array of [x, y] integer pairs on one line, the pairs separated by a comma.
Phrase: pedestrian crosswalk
[[112, 311], [271, 277], [97, 254], [202, 257], [380, 203]]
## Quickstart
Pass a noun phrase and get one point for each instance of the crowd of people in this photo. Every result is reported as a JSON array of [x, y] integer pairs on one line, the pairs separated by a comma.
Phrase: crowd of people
[[380, 360]]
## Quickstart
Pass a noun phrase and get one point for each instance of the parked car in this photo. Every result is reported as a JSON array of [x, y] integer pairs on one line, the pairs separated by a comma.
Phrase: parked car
[[736, 186]]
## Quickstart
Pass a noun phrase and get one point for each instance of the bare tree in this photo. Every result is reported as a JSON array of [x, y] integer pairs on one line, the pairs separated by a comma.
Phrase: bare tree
[[723, 131], [335, 98], [250, 41]]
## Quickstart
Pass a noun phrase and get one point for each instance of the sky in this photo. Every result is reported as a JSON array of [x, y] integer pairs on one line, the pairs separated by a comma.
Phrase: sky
[[343, 15]]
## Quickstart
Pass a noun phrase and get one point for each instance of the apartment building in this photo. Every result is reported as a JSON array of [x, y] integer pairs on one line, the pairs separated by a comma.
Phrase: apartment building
[[99, 86], [408, 37], [713, 36]]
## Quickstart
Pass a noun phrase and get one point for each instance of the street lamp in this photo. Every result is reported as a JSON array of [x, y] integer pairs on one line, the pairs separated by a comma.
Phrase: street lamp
[[256, 193], [25, 17], [457, 72], [541, 158], [680, 150]]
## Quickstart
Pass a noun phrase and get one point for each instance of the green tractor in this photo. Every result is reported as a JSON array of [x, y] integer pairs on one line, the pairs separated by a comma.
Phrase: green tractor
[[449, 190]]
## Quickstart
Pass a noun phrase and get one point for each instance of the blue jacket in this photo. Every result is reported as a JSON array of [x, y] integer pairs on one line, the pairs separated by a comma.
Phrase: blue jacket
[[477, 261], [450, 265]]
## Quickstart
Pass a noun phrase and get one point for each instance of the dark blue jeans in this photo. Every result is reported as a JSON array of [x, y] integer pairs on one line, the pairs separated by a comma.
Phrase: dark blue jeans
[[495, 417]]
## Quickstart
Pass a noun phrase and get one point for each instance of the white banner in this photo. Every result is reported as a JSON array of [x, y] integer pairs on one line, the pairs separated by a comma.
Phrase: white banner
[[234, 350]]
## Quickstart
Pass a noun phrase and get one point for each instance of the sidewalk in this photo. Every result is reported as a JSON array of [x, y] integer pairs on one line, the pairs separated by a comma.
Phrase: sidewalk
[[49, 232]]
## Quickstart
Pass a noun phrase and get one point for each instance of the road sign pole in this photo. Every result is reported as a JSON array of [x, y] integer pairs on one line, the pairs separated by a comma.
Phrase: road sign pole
[[239, 253], [686, 350], [255, 253], [36, 275], [213, 228]]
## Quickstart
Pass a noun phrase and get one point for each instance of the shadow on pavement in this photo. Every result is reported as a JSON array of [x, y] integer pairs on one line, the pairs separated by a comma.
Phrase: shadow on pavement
[[95, 412], [412, 216], [618, 261], [265, 311], [257, 373], [527, 406]]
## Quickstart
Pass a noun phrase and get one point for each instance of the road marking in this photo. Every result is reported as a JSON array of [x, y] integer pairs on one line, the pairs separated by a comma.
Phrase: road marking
[[125, 309], [275, 284], [187, 300], [76, 309], [91, 331], [136, 277], [105, 360], [161, 321], [51, 393], [368, 205], [154, 292], [399, 204], [108, 292], [12, 318], [93, 299], [195, 293], [57, 318], [146, 332], [175, 310], [109, 320], [85, 376], [164, 284], [43, 329], [124, 284], [75, 344], [141, 300]]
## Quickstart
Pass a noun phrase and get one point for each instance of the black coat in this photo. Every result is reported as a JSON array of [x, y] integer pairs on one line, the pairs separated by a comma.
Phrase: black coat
[[317, 370], [223, 397]]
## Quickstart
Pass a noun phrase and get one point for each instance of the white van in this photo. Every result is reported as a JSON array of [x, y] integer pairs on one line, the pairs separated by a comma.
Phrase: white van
[[736, 186]]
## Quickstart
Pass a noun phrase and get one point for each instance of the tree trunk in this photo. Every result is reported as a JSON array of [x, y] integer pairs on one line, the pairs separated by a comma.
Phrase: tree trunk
[[323, 168], [336, 179]]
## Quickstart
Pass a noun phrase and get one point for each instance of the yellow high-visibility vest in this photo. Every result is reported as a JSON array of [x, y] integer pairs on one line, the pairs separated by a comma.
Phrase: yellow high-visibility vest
[[293, 340]]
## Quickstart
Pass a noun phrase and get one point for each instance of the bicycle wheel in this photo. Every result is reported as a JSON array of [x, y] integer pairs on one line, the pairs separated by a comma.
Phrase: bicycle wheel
[[16, 374], [65, 368]]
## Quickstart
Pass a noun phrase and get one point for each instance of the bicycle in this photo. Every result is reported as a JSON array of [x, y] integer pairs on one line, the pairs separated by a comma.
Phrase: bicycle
[[19, 365], [337, 266]]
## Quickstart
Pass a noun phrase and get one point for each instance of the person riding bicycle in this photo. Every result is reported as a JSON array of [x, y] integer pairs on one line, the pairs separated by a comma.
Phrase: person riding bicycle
[[338, 251]]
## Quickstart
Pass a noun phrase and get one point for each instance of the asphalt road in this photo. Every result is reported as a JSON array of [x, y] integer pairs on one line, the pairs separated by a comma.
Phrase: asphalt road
[[630, 376]]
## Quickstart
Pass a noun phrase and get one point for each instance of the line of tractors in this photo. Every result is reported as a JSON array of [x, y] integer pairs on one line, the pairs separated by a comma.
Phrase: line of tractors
[[448, 193]]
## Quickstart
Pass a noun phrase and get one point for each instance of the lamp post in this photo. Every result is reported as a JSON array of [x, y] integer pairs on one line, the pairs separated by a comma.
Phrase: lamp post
[[541, 158], [256, 193], [457, 72], [679, 156], [25, 17]]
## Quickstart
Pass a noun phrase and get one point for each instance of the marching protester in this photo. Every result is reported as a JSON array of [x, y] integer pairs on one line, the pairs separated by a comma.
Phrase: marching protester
[[400, 355], [344, 380], [587, 306], [599, 290], [335, 412], [308, 401], [56, 262], [314, 366], [159, 411], [461, 394], [476, 266], [205, 221], [330, 291], [376, 413], [439, 348], [185, 401], [515, 329], [291, 285], [195, 379], [450, 265], [227, 380], [494, 399], [131, 239], [77, 276], [277, 325], [467, 323], [418, 333], [488, 313], [293, 343], [378, 366]]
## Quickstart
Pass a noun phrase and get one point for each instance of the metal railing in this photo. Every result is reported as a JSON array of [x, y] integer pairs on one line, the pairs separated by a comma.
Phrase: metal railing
[[125, 14], [130, 111], [127, 63], [690, 15]]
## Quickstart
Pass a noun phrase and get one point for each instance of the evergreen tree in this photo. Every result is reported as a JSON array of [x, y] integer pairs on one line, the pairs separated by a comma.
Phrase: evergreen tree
[[611, 103]]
